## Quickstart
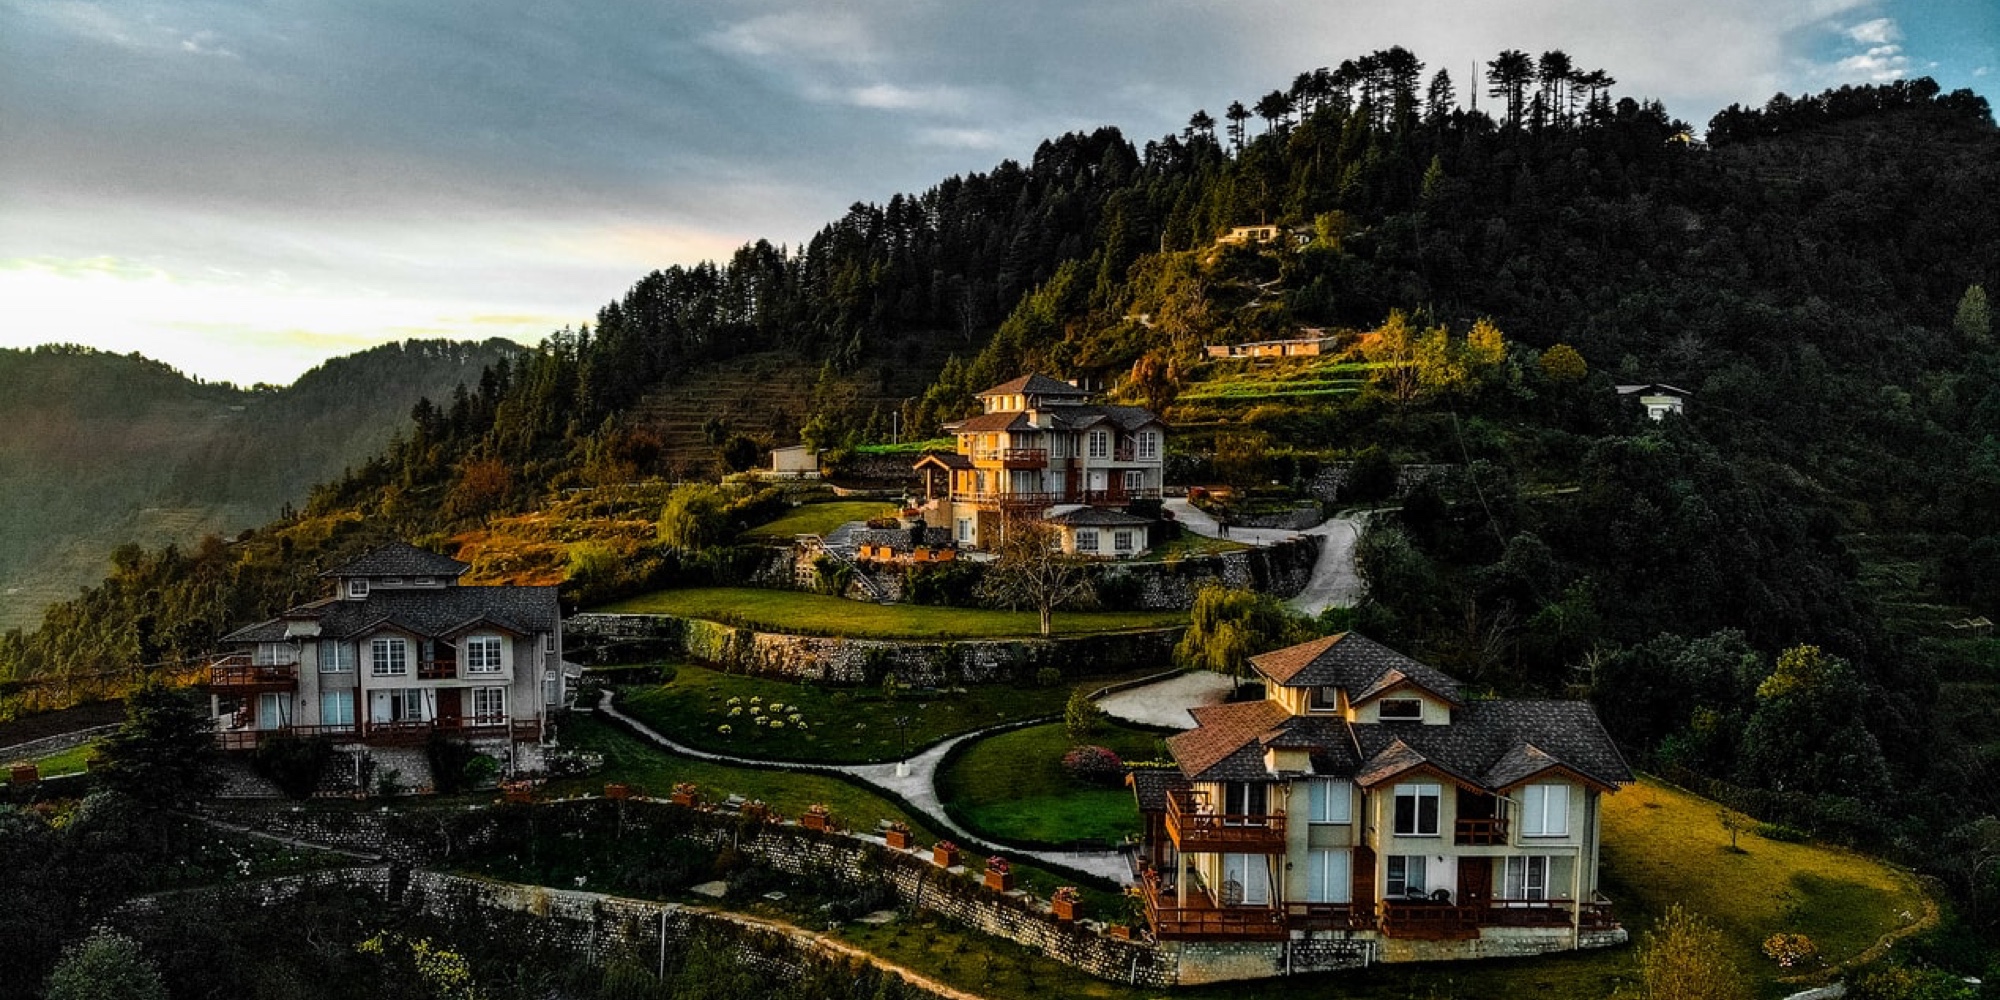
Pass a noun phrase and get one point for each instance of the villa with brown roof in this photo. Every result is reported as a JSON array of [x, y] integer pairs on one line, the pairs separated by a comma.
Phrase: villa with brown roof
[[1367, 808], [1042, 448]]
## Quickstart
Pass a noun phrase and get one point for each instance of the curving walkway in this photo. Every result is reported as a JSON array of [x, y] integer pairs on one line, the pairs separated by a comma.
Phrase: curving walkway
[[1335, 583], [914, 780], [1166, 702]]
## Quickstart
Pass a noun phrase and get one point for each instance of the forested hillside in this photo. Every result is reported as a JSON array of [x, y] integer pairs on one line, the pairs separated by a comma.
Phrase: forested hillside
[[103, 449]]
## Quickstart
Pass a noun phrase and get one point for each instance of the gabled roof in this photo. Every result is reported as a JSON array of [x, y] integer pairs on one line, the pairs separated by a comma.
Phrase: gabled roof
[[1664, 389], [948, 459], [429, 613], [1034, 385], [1221, 733], [1096, 517], [987, 423], [1355, 662], [401, 559], [1150, 786], [1497, 744]]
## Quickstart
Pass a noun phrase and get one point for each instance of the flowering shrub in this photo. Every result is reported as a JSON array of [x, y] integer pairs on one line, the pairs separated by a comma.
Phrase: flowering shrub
[[1094, 765], [998, 865], [1790, 949], [725, 729], [1067, 894]]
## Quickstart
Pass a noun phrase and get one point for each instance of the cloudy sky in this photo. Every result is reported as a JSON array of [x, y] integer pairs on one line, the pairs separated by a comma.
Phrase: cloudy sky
[[243, 189]]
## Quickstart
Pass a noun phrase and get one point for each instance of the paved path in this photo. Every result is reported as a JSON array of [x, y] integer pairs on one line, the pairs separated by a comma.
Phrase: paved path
[[1166, 703], [918, 787], [1335, 582]]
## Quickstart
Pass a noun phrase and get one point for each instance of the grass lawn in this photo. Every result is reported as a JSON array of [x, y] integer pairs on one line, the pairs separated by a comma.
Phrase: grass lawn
[[66, 762], [1013, 786], [843, 725], [817, 519], [1191, 544], [1665, 846], [814, 614]]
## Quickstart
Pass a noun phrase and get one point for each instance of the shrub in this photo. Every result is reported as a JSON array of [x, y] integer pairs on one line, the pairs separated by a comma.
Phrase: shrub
[[1780, 832], [449, 757], [293, 764], [1094, 765], [1048, 677], [1081, 716]]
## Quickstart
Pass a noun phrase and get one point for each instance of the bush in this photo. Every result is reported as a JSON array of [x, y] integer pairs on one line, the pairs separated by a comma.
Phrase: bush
[[1780, 832], [1094, 765], [1081, 716], [293, 764], [1048, 677], [449, 758], [954, 584]]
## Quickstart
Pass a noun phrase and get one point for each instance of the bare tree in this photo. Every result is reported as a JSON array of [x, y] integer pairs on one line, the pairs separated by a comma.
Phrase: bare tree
[[1033, 571]]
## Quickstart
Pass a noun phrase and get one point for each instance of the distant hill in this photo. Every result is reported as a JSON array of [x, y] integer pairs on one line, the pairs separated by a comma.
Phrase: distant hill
[[103, 449]]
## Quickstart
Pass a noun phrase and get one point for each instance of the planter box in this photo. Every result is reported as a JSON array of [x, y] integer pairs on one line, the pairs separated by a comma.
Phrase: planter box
[[520, 796], [617, 791], [814, 821], [26, 774], [899, 839], [683, 798], [1121, 931], [1000, 881], [944, 859], [1065, 909]]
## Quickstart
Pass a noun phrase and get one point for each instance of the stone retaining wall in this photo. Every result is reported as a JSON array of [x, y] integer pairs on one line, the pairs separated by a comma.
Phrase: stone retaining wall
[[1281, 570], [1327, 484]]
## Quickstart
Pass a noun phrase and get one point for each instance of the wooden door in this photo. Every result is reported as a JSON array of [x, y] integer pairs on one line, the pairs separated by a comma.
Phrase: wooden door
[[1475, 881], [449, 711]]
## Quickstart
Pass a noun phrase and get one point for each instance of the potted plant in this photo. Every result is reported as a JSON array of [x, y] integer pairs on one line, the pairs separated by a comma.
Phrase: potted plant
[[617, 791], [999, 874], [898, 836], [755, 809], [25, 772], [1065, 903], [816, 817], [944, 854], [520, 791], [686, 794]]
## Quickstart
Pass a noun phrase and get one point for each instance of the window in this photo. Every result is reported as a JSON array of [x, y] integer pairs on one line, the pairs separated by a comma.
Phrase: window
[[336, 658], [1245, 882], [357, 588], [271, 654], [1149, 446], [1527, 877], [489, 706], [392, 581], [398, 705], [274, 711], [1417, 810], [551, 687], [1406, 876], [1325, 698], [1330, 800], [965, 529], [1400, 708], [389, 657], [482, 654], [1545, 811], [1100, 444], [1134, 480], [1244, 798], [1329, 877], [336, 708], [425, 581], [1121, 541], [1086, 539], [548, 642]]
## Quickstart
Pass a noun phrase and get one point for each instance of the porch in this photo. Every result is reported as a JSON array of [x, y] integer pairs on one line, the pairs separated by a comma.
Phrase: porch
[[1195, 830], [391, 734], [1201, 918]]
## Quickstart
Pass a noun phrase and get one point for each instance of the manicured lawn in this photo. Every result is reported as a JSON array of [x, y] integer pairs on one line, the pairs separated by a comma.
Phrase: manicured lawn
[[841, 725], [1665, 846], [1191, 544], [1013, 786], [816, 519], [67, 762], [813, 614]]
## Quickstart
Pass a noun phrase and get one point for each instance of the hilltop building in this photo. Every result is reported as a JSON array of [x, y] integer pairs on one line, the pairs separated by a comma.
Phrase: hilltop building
[[1367, 807], [1657, 398], [397, 652], [1042, 448]]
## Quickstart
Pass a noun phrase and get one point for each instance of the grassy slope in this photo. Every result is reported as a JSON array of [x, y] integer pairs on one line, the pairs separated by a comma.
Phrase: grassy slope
[[789, 611], [816, 519], [1013, 786]]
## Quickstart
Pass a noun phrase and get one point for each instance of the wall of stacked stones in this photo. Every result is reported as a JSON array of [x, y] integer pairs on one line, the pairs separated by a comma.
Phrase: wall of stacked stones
[[1281, 570], [829, 659]]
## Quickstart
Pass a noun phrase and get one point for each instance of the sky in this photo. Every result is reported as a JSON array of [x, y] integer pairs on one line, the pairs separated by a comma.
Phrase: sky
[[244, 189]]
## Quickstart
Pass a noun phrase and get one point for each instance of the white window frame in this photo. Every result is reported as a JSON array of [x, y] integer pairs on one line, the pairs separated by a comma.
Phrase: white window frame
[[336, 658], [493, 714], [1526, 877], [388, 656], [1323, 698], [476, 649], [357, 588], [425, 581], [965, 529], [1417, 793], [274, 703], [1329, 876], [1405, 872], [1121, 540], [401, 705], [1382, 709], [1239, 796], [548, 642], [1248, 871], [1149, 446], [1100, 444], [336, 708], [1086, 540], [1545, 811], [1135, 480], [1330, 800]]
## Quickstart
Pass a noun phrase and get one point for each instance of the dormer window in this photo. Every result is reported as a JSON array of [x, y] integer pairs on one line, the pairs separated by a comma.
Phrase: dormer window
[[357, 588], [426, 581], [1401, 709], [1325, 698], [392, 581]]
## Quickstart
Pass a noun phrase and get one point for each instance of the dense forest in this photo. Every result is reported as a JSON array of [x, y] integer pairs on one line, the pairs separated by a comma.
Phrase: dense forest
[[1757, 594]]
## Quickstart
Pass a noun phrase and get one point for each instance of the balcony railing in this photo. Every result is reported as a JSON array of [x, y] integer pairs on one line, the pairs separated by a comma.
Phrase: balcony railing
[[1201, 919], [406, 732], [1429, 921], [1194, 831], [1484, 832], [1329, 917], [1109, 497], [238, 673], [437, 670]]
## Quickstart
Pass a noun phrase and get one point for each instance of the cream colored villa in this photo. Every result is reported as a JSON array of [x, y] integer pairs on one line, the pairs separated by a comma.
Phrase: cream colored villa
[[1040, 447], [1365, 804]]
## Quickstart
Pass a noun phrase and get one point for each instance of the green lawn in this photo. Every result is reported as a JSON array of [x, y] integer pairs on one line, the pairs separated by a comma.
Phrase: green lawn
[[841, 725], [814, 614], [1191, 544], [816, 519], [69, 761], [1012, 786]]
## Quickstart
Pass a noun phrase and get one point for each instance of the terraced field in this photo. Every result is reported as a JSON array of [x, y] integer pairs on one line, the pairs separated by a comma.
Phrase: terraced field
[[1282, 380]]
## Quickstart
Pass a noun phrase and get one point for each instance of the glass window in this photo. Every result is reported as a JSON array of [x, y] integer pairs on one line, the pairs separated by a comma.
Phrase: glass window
[[389, 657], [1325, 698], [1401, 708], [1246, 798], [1406, 876], [1527, 877], [1149, 445], [1329, 877], [1086, 539], [1122, 541], [1100, 444], [398, 705], [1545, 811], [489, 706], [336, 708], [1134, 480], [482, 654], [357, 588], [1417, 810], [1245, 882], [1330, 800], [274, 711], [336, 658]]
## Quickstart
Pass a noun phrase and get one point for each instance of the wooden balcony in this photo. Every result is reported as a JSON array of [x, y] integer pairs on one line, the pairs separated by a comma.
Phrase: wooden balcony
[[1024, 458], [1194, 831], [1425, 920], [393, 734], [437, 670], [1329, 916], [237, 675], [1487, 832], [1202, 920], [1099, 498]]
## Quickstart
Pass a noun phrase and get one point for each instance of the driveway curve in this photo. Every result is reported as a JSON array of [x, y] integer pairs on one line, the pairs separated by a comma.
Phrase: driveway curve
[[1335, 582]]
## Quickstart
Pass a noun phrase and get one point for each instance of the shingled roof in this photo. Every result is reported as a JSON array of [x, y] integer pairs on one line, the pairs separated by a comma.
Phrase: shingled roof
[[1497, 744], [429, 613], [1034, 385], [1364, 667], [401, 559], [1097, 517]]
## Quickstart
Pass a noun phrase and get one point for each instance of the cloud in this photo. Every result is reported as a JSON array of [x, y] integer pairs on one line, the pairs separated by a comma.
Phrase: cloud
[[818, 35], [1880, 64], [959, 138], [205, 43], [1880, 31], [890, 97]]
